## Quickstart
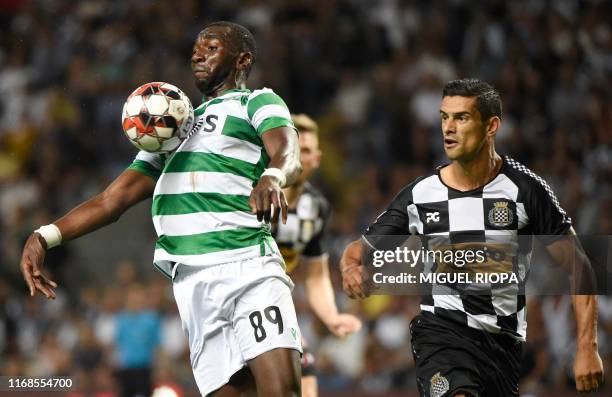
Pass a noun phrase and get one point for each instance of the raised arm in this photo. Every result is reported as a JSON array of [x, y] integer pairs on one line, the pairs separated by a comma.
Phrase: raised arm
[[128, 189], [588, 368], [282, 146]]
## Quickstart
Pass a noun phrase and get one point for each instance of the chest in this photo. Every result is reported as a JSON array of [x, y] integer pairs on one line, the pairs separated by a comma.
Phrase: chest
[[493, 210]]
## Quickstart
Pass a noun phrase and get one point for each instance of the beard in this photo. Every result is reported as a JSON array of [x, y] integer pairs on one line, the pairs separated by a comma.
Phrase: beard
[[214, 79], [203, 85]]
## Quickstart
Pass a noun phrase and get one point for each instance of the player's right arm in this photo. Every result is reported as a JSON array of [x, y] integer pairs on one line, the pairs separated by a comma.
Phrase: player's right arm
[[394, 221], [353, 277], [127, 190]]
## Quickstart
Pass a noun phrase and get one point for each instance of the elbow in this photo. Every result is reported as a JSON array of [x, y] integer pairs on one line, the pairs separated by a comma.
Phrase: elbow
[[297, 169], [293, 170]]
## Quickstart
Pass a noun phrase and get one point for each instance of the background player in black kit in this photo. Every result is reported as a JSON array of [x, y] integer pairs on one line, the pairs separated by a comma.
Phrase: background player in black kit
[[300, 241], [470, 344]]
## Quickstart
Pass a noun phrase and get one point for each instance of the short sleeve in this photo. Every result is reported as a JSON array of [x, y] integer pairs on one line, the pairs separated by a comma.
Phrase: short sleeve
[[394, 221], [546, 217], [149, 164], [266, 110]]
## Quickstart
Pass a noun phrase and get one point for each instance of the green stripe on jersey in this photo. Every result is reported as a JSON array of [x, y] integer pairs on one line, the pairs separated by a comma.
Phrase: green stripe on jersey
[[210, 162], [145, 168], [241, 129], [188, 203], [260, 100], [274, 122], [204, 243]]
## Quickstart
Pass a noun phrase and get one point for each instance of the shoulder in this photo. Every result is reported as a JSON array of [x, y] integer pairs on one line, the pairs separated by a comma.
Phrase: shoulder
[[531, 185], [421, 184], [526, 180], [261, 91], [261, 97]]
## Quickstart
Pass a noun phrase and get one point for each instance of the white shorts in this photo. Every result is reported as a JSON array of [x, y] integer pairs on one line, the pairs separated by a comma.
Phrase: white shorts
[[232, 313]]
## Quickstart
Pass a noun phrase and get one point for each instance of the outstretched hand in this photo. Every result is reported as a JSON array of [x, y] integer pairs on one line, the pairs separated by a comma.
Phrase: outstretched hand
[[268, 201], [32, 260]]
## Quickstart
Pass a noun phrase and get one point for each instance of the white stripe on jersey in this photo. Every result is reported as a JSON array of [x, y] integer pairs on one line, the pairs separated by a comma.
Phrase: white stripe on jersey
[[226, 146], [152, 158], [229, 108], [203, 222], [202, 182], [218, 257], [267, 111]]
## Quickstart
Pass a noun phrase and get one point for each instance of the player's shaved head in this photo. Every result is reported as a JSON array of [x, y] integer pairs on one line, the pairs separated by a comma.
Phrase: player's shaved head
[[237, 37]]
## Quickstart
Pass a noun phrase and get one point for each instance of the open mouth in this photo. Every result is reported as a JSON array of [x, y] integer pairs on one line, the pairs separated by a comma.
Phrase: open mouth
[[450, 142]]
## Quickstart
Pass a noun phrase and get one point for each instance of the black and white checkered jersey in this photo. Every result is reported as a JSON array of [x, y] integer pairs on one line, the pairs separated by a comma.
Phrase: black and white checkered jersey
[[516, 202], [304, 233]]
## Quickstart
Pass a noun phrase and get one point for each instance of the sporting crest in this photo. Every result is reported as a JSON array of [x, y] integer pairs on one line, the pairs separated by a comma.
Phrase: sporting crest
[[500, 215], [439, 385]]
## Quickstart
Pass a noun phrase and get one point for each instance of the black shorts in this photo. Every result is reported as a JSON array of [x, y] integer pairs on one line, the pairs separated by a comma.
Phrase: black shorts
[[452, 358]]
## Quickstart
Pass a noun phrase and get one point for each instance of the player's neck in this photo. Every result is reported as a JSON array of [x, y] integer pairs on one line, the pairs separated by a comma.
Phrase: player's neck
[[229, 84], [293, 193], [472, 174]]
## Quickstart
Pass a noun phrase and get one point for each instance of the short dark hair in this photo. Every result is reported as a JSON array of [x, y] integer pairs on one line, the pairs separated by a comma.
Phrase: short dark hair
[[488, 101], [240, 37]]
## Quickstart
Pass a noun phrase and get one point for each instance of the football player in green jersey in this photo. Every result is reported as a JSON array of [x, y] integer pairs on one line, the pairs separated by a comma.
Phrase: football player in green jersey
[[233, 294]]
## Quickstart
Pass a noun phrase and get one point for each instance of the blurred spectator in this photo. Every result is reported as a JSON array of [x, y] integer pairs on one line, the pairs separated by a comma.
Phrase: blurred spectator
[[137, 336]]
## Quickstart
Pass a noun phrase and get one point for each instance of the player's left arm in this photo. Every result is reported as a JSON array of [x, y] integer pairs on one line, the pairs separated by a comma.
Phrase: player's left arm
[[554, 227], [282, 146], [270, 117], [320, 294], [568, 253]]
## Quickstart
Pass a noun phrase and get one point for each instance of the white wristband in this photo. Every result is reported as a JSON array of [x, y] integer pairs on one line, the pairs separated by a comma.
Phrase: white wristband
[[278, 174], [51, 234]]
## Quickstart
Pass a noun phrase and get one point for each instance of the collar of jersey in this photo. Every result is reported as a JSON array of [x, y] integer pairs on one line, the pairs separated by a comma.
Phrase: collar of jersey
[[503, 157], [224, 93], [223, 96]]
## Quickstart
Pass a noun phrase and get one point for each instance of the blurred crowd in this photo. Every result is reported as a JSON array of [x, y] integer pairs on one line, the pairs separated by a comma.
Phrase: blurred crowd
[[371, 73]]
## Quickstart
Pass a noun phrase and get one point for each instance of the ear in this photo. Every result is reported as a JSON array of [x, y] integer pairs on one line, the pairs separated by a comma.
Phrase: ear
[[493, 125], [244, 61]]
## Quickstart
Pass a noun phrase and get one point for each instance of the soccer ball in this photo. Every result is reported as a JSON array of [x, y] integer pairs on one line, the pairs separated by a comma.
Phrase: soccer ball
[[157, 117]]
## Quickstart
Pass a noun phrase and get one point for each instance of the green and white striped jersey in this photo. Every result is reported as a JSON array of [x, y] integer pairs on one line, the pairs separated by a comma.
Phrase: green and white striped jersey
[[201, 201]]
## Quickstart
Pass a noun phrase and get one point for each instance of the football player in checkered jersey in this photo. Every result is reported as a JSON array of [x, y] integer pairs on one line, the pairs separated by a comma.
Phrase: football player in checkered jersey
[[467, 344], [300, 241]]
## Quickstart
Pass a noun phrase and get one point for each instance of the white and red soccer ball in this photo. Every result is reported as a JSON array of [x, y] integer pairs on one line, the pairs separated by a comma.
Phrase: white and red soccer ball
[[157, 117]]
